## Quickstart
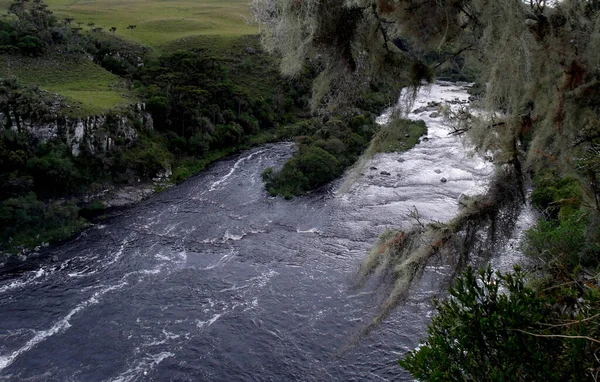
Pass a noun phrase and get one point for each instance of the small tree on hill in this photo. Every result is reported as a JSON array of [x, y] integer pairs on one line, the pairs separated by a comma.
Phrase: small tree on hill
[[131, 28]]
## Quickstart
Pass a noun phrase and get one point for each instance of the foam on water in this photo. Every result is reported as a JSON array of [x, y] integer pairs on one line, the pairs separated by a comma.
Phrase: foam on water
[[30, 278], [59, 326], [142, 368], [237, 164]]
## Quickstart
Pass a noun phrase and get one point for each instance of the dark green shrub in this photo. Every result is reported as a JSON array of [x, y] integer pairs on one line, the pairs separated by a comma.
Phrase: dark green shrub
[[495, 328], [31, 46], [564, 244]]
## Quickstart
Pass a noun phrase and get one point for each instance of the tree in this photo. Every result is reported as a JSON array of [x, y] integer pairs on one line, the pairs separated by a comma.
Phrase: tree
[[131, 28], [113, 30]]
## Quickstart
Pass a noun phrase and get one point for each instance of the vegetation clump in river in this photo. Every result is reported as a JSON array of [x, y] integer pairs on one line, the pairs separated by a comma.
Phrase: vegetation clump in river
[[335, 145]]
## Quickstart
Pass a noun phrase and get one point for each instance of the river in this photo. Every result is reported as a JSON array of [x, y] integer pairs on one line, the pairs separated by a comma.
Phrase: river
[[215, 280]]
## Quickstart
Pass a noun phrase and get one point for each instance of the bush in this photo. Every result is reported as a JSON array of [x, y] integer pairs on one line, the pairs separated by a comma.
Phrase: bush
[[482, 333], [31, 46], [27, 221], [312, 167], [556, 197], [326, 147]]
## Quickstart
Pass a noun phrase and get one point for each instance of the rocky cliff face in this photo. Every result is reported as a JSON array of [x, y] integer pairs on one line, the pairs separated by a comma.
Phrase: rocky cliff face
[[96, 134]]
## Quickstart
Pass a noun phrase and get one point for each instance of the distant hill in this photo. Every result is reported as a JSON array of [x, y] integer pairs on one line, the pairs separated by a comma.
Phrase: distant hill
[[158, 22]]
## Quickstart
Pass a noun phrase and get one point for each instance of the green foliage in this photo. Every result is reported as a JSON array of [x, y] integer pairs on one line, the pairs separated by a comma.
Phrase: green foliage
[[398, 135], [146, 159], [566, 238], [31, 46], [556, 196], [26, 221], [326, 147], [564, 244], [491, 328]]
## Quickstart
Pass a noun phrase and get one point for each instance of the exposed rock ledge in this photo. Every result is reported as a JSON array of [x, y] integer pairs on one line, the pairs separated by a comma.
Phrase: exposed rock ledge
[[97, 134]]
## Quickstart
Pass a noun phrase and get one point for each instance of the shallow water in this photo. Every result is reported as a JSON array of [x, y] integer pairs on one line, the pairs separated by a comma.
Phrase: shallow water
[[214, 280]]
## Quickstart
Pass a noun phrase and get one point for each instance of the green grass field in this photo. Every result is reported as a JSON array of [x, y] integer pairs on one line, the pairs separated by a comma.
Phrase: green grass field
[[89, 88], [158, 22], [163, 25]]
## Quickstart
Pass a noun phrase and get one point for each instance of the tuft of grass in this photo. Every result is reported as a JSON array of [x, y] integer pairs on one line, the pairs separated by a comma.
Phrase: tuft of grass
[[89, 88]]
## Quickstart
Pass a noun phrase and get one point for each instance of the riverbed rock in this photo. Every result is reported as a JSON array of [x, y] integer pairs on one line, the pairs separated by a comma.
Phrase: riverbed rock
[[443, 180], [373, 168], [435, 114], [385, 173], [420, 110], [437, 171], [128, 195]]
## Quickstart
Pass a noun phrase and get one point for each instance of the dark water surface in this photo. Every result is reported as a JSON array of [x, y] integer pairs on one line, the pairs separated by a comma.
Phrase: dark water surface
[[214, 280]]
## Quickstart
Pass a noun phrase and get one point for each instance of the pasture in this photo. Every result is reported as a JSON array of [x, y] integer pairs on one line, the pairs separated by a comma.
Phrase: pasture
[[158, 22]]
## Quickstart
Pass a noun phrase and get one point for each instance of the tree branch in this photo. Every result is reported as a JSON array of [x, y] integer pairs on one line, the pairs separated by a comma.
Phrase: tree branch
[[558, 336]]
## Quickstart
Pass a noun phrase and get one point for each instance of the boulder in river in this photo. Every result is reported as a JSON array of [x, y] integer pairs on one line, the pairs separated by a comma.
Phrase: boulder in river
[[385, 173], [443, 180]]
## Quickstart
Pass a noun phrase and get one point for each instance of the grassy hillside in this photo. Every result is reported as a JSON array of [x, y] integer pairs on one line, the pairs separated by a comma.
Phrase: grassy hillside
[[157, 21], [164, 26], [90, 88]]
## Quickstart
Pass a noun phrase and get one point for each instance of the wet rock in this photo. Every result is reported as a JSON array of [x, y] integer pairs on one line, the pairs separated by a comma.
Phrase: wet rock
[[401, 160], [128, 195], [54, 258], [425, 139], [435, 114], [443, 180], [373, 168], [385, 173], [437, 171], [420, 110]]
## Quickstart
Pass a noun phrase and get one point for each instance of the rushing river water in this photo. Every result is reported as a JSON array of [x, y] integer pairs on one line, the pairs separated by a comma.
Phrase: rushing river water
[[214, 280]]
